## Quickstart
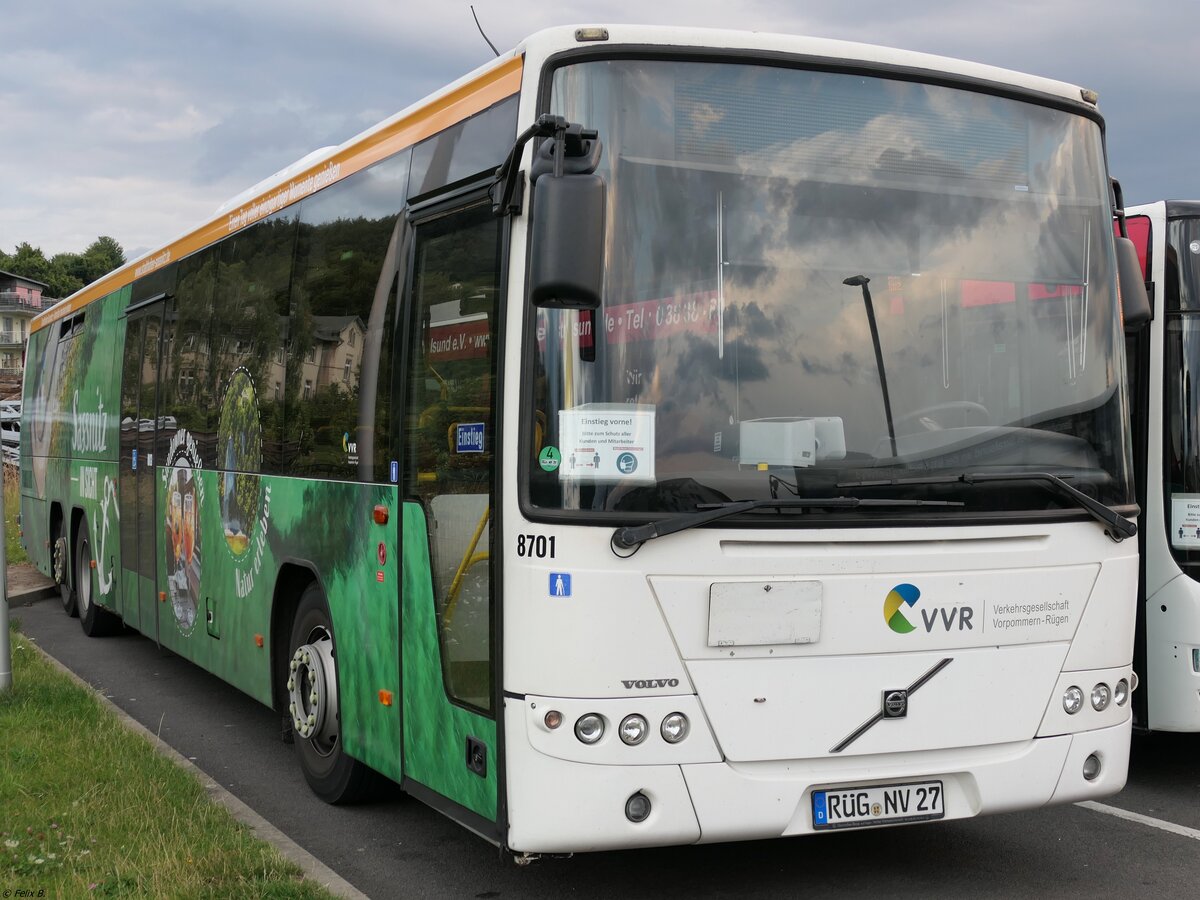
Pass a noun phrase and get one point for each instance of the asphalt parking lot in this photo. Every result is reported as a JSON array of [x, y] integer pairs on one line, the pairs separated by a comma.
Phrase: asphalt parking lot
[[1145, 840]]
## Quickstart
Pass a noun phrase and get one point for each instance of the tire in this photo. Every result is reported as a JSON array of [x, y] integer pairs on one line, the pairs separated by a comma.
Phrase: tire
[[332, 775], [60, 566], [96, 621]]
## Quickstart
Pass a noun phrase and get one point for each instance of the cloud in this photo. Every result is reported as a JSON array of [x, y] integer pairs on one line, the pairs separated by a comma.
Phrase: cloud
[[191, 102]]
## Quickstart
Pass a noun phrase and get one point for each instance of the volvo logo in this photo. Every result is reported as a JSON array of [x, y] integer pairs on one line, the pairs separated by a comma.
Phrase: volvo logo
[[643, 683], [895, 704]]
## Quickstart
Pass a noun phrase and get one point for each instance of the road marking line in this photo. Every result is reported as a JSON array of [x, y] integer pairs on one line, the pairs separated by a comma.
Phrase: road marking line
[[1181, 830]]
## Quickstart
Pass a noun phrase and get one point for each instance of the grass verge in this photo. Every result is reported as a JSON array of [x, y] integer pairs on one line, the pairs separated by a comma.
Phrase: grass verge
[[12, 508], [89, 809]]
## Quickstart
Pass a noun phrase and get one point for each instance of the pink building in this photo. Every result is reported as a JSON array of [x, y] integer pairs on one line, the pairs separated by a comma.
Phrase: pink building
[[20, 300]]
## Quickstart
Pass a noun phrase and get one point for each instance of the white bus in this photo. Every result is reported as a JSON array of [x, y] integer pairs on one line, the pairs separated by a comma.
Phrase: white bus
[[1167, 450], [658, 436]]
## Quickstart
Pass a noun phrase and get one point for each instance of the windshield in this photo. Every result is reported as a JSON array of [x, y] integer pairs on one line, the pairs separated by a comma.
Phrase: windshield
[[815, 280]]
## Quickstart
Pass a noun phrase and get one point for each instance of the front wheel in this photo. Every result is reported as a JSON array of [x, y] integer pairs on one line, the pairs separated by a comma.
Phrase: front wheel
[[312, 690], [96, 621]]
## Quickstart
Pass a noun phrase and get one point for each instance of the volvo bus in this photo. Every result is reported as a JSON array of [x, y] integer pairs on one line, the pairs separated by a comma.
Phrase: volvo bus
[[1167, 652], [658, 436]]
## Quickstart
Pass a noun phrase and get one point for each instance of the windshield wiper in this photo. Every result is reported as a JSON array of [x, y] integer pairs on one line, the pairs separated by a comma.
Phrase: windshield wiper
[[631, 536], [1116, 525]]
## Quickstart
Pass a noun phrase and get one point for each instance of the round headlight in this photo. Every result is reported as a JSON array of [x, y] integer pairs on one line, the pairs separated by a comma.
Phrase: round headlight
[[1072, 702], [633, 729], [1101, 695], [1121, 693], [590, 728], [674, 728]]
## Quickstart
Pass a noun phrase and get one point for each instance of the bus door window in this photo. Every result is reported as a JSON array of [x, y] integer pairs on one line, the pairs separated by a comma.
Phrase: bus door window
[[449, 432], [131, 383]]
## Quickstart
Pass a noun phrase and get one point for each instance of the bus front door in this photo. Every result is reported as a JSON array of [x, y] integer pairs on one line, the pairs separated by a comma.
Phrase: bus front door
[[449, 442]]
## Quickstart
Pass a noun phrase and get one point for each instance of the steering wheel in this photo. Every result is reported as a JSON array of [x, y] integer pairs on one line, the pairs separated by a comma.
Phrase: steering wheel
[[930, 417]]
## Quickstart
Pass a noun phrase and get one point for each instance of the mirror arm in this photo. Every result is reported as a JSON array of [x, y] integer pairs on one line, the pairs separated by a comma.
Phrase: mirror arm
[[569, 141], [1119, 207], [547, 125]]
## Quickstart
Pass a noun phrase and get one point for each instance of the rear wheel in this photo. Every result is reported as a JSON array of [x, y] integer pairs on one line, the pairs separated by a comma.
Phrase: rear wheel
[[60, 565], [312, 690], [96, 622]]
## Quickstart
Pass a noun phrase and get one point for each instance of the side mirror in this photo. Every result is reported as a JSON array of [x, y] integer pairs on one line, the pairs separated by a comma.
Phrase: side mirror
[[566, 242], [1135, 302]]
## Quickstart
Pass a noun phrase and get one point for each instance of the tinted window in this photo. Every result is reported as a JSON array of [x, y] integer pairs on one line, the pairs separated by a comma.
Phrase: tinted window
[[340, 336], [187, 386], [470, 147], [247, 344]]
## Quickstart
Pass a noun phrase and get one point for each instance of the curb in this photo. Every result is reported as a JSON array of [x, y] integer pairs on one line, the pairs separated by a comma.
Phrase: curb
[[312, 867], [26, 598]]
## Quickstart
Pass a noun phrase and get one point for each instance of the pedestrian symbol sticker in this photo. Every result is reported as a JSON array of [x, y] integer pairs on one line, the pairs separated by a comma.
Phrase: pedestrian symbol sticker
[[560, 584], [549, 459]]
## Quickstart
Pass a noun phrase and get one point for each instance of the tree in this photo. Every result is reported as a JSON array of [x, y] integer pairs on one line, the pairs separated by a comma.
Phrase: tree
[[65, 273], [102, 256]]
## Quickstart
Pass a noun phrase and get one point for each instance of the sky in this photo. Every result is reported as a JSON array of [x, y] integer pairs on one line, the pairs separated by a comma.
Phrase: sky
[[138, 118]]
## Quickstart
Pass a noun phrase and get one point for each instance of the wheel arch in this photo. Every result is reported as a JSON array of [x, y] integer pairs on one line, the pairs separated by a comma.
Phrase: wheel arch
[[293, 578]]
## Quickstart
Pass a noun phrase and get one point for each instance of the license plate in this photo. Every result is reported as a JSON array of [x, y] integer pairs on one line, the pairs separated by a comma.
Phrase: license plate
[[856, 807]]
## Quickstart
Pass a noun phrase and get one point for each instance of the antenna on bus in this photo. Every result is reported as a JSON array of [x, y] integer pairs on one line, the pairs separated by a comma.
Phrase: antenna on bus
[[480, 27]]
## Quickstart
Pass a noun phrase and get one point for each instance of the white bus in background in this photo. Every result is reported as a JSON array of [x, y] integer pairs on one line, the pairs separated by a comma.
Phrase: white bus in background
[[1164, 362]]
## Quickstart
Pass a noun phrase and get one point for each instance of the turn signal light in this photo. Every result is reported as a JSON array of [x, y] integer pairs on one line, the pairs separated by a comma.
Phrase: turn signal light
[[381, 515], [385, 697]]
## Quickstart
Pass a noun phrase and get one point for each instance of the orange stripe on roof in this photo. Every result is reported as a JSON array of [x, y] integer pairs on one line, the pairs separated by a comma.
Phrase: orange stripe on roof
[[461, 103]]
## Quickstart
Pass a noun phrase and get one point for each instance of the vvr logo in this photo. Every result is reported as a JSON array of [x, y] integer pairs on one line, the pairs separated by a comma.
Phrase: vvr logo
[[907, 595]]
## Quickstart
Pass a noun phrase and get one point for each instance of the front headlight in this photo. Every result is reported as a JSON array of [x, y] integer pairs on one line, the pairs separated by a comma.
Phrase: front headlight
[[1072, 700], [633, 730], [589, 728], [1121, 692], [1101, 695], [674, 728]]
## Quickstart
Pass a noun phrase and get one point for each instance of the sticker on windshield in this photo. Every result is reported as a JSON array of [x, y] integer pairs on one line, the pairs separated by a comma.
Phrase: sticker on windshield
[[607, 442], [549, 459], [1185, 521]]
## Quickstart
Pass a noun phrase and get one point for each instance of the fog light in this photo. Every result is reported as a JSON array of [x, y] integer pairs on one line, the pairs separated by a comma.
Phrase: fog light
[[553, 719], [633, 730], [590, 728], [637, 808], [1072, 702], [1091, 767], [1101, 695], [1121, 692], [674, 728]]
